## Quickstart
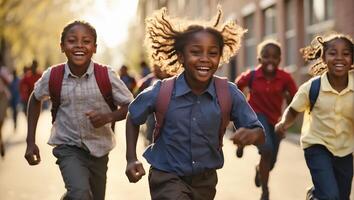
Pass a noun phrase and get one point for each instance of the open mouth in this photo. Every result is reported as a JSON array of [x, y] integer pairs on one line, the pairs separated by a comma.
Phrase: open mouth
[[270, 67], [339, 66], [79, 53], [203, 70]]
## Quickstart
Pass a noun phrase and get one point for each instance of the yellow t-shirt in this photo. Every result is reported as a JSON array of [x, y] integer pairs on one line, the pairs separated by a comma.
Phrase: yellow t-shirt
[[330, 122]]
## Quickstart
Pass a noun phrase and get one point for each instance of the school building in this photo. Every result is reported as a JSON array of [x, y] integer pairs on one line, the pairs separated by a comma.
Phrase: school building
[[292, 22]]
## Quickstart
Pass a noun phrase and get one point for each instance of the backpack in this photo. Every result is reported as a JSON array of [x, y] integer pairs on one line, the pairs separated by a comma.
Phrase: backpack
[[56, 80], [164, 97], [314, 91]]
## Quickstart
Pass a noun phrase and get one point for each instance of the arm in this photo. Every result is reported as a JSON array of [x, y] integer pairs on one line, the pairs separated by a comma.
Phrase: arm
[[246, 136], [32, 152], [286, 121], [134, 170], [99, 119]]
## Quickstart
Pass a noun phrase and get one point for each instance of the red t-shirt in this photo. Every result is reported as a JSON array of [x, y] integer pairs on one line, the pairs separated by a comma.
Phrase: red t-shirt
[[266, 96], [27, 84]]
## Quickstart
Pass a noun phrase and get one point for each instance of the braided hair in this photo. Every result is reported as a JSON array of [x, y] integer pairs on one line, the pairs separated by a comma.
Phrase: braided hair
[[317, 48], [166, 37]]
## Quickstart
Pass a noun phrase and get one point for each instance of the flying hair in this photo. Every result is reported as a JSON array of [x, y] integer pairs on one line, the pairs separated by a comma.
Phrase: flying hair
[[315, 51], [166, 37]]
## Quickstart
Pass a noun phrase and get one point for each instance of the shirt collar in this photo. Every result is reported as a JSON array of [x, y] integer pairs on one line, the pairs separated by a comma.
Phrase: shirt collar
[[327, 86], [88, 72], [182, 87]]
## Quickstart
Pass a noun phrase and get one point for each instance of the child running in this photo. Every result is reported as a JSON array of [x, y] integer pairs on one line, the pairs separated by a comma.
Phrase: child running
[[81, 134], [327, 131], [268, 85], [187, 153]]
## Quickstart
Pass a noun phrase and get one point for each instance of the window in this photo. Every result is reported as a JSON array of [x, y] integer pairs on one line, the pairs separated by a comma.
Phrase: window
[[290, 43], [269, 21], [250, 42], [319, 11], [318, 17]]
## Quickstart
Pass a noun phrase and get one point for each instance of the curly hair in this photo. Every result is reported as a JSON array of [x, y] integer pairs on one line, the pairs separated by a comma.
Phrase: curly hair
[[166, 37], [317, 48]]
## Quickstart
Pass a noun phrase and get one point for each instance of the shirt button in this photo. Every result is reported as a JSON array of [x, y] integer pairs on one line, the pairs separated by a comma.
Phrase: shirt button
[[198, 102], [193, 162], [193, 118]]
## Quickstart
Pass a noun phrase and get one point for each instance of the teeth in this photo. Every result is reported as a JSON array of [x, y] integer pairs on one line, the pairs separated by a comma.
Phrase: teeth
[[339, 65], [203, 68], [79, 53]]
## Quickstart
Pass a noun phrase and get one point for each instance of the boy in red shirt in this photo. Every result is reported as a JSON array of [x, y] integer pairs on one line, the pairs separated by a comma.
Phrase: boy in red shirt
[[268, 86]]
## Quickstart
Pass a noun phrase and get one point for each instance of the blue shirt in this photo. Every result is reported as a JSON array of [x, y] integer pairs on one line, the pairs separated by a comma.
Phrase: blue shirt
[[189, 139]]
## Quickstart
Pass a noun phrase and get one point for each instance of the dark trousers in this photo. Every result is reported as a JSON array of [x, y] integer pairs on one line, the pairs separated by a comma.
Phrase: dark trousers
[[84, 175], [331, 175], [164, 185]]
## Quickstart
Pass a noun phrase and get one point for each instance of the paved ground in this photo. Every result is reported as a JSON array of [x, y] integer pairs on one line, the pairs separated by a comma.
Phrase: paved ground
[[19, 181]]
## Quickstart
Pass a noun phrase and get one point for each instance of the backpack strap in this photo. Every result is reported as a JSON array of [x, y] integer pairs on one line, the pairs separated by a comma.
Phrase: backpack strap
[[225, 103], [55, 83], [250, 82], [314, 91], [162, 102], [105, 86]]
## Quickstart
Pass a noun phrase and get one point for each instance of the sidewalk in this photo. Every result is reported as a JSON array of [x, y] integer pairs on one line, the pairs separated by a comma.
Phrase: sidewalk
[[19, 181]]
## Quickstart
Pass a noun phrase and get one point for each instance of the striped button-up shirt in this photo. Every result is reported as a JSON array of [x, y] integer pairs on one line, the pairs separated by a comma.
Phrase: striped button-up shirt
[[78, 96]]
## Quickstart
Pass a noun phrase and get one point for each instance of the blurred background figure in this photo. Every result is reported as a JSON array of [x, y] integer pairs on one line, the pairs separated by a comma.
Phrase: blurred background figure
[[15, 96], [145, 69], [5, 95], [128, 80], [27, 83]]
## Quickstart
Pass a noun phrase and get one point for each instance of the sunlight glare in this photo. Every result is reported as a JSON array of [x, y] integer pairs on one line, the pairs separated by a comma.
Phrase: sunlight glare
[[111, 19]]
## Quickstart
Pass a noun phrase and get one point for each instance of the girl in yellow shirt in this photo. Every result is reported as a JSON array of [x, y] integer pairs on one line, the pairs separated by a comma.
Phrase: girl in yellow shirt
[[327, 132]]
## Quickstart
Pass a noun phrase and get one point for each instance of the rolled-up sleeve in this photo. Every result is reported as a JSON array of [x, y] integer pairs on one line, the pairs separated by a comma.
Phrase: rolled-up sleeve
[[242, 114], [41, 87], [301, 101], [121, 93], [144, 104]]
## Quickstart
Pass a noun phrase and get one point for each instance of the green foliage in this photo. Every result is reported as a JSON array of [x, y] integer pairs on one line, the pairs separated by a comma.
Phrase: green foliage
[[31, 29]]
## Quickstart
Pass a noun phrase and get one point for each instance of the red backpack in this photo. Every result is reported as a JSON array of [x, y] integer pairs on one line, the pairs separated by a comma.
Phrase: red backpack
[[56, 79], [164, 97]]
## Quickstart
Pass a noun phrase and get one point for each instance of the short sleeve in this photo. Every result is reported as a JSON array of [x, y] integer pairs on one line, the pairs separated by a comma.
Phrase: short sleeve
[[301, 101], [291, 85], [242, 114], [121, 94], [41, 87], [243, 80], [144, 104]]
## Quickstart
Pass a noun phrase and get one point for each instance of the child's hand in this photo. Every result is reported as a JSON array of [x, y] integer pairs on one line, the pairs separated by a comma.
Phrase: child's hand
[[134, 171], [280, 129], [98, 119], [32, 154], [245, 136]]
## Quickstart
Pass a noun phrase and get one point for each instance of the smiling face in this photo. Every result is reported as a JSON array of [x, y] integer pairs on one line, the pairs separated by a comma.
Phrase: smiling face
[[79, 45], [269, 58], [339, 57], [200, 57]]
